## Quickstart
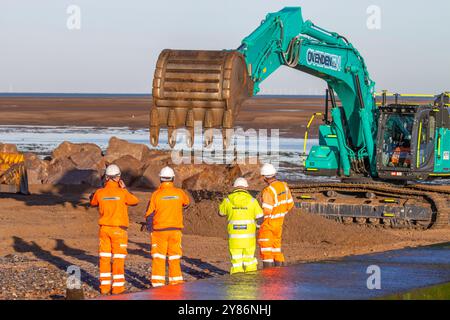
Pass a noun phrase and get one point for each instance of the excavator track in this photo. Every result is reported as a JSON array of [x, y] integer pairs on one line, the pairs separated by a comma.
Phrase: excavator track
[[376, 204], [372, 205]]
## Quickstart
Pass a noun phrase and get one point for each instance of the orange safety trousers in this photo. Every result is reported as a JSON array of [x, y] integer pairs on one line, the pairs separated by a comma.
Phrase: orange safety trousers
[[113, 248], [269, 240], [166, 245]]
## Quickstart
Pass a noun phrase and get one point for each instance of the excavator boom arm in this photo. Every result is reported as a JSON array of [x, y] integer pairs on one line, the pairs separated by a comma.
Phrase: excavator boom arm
[[285, 39]]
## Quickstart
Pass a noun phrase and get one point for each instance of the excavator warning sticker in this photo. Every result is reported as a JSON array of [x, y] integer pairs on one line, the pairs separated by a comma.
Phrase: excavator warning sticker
[[323, 59]]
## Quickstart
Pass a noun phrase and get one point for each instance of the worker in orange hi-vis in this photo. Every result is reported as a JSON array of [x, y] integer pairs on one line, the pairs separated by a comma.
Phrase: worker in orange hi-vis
[[113, 201], [164, 219], [276, 203]]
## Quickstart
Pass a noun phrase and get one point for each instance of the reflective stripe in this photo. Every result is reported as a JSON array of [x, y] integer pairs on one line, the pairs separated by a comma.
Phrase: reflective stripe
[[263, 240], [286, 201], [259, 216], [266, 205], [268, 260], [158, 278], [118, 284], [275, 194], [180, 278], [105, 254], [242, 236], [105, 282], [251, 262], [266, 249], [276, 250], [241, 222], [157, 284], [105, 274], [282, 202], [174, 257], [238, 256], [248, 256], [237, 265], [118, 276], [119, 256], [159, 256], [278, 215], [123, 245]]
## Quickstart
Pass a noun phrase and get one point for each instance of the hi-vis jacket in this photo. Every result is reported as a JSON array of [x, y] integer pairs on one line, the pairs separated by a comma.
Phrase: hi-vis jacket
[[241, 210], [113, 202], [166, 207], [277, 201]]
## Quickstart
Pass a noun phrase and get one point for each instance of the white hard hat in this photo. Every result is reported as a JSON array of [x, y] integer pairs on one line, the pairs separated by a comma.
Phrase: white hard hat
[[167, 172], [240, 182], [268, 170], [112, 170]]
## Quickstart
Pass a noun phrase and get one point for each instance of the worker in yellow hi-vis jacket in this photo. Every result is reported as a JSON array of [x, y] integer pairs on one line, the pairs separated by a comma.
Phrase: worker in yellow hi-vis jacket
[[242, 212]]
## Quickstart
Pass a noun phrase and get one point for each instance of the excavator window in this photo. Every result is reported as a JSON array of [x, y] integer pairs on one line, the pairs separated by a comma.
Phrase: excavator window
[[397, 140], [427, 129]]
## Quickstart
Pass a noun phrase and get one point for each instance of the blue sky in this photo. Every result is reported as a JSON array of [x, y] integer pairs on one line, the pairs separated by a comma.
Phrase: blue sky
[[119, 41]]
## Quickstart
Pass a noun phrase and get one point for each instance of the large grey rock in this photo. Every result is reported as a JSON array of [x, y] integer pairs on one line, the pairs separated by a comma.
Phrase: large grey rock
[[130, 167], [251, 172], [213, 178], [58, 169], [118, 148], [36, 169], [8, 148], [88, 160], [64, 171], [152, 167], [149, 178], [67, 149], [75, 164]]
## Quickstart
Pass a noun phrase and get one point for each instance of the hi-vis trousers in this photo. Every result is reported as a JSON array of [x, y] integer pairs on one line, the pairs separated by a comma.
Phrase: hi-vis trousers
[[113, 246], [242, 252], [269, 241], [166, 245]]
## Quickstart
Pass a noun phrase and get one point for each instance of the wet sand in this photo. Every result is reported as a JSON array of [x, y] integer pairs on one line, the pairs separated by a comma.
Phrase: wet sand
[[288, 114]]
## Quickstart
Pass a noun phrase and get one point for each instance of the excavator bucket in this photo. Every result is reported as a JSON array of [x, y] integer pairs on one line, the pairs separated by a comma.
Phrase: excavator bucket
[[13, 174], [189, 86]]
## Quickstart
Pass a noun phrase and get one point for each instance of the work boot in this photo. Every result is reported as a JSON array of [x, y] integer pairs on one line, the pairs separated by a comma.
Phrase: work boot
[[267, 265], [279, 264]]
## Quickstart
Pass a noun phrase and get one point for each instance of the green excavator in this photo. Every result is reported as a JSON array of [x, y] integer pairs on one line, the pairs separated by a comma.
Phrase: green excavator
[[371, 146]]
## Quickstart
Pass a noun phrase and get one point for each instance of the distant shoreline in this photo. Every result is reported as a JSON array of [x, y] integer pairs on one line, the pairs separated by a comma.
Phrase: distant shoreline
[[47, 95], [128, 95]]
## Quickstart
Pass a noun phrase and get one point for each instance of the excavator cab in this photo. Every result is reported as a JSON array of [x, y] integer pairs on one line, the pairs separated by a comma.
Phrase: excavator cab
[[414, 141]]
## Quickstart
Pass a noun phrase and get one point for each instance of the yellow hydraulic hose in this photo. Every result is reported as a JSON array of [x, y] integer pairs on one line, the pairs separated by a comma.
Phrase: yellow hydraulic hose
[[307, 129], [418, 145]]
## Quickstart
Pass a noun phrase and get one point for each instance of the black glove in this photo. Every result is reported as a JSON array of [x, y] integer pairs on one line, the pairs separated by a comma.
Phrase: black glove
[[149, 223]]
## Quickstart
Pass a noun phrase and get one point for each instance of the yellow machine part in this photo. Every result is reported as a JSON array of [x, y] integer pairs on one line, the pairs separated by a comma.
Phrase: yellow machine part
[[189, 86], [13, 174]]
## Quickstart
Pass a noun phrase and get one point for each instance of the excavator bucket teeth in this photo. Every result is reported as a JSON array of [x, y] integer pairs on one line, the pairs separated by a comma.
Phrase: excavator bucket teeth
[[190, 86], [13, 174]]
